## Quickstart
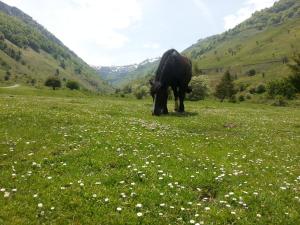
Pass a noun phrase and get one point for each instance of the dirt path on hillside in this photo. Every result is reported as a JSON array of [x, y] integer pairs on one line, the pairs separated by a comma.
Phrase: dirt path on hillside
[[13, 86]]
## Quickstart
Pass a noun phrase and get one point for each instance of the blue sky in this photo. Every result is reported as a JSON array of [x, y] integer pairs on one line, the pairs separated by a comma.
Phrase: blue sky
[[120, 32]]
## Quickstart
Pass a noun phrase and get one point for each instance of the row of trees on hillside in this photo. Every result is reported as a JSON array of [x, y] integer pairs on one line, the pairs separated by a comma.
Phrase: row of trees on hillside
[[54, 82]]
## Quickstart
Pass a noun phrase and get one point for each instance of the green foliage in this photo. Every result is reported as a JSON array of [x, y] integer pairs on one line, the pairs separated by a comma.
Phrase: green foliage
[[225, 89], [295, 77], [261, 88], [279, 101], [281, 87], [242, 98], [141, 92], [53, 82], [251, 72], [199, 89], [73, 85]]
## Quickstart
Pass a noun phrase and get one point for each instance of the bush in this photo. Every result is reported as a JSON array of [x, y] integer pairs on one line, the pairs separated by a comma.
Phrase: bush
[[199, 89], [72, 85], [251, 72], [295, 78], [252, 90], [232, 99], [242, 98], [141, 92], [279, 101], [53, 82], [281, 87], [260, 89], [248, 96]]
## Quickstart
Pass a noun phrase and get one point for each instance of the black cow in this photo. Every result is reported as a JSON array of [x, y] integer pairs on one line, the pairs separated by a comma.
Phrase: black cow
[[174, 71]]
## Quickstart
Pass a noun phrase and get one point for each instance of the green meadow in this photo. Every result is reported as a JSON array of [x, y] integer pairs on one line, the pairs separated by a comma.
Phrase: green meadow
[[73, 158]]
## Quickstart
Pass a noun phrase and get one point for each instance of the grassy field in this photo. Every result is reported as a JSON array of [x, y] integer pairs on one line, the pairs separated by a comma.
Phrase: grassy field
[[103, 160]]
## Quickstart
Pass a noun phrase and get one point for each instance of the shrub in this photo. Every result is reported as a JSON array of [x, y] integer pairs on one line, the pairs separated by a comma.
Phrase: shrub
[[199, 89], [281, 87], [72, 85], [279, 101], [295, 81], [248, 96], [241, 98], [251, 72], [260, 89], [252, 90], [232, 99], [53, 82], [295, 78], [141, 92]]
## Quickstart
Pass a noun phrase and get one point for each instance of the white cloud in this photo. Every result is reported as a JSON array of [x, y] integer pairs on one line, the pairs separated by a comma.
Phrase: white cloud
[[250, 6]]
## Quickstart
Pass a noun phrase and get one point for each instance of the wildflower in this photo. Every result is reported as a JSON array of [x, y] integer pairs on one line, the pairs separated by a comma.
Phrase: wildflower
[[40, 205], [139, 214], [207, 208], [192, 221], [6, 194], [119, 209], [139, 205]]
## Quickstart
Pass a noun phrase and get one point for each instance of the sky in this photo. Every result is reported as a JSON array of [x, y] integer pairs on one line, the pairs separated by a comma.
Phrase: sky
[[122, 32]]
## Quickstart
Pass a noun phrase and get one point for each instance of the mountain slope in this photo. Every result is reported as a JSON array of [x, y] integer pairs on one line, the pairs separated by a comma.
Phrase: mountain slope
[[264, 43], [29, 54]]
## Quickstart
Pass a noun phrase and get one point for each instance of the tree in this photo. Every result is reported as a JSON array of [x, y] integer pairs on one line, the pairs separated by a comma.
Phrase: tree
[[53, 82], [295, 78], [200, 90], [72, 85], [225, 89]]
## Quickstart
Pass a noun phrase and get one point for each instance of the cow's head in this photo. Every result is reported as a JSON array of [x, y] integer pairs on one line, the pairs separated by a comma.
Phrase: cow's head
[[159, 96]]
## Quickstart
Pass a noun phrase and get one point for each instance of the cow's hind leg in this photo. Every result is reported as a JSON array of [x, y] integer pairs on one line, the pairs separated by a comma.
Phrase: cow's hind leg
[[181, 100]]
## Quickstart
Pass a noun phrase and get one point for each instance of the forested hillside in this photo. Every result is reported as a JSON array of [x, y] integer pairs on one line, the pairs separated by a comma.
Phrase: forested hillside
[[29, 54]]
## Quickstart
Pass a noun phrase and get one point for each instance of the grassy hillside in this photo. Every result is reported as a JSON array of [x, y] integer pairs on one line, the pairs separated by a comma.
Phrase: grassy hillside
[[29, 54], [265, 43], [87, 160]]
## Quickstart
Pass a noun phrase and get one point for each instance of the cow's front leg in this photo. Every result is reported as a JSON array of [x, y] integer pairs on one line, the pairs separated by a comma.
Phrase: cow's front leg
[[165, 103]]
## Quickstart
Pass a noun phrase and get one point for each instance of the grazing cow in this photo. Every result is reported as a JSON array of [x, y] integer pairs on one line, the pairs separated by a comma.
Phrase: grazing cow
[[174, 71]]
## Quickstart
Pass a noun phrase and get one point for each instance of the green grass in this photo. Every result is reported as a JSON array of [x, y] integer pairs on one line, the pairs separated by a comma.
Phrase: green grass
[[217, 164]]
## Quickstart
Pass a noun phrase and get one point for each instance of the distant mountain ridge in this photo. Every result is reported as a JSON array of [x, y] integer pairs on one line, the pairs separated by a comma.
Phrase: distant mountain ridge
[[29, 54], [120, 75]]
